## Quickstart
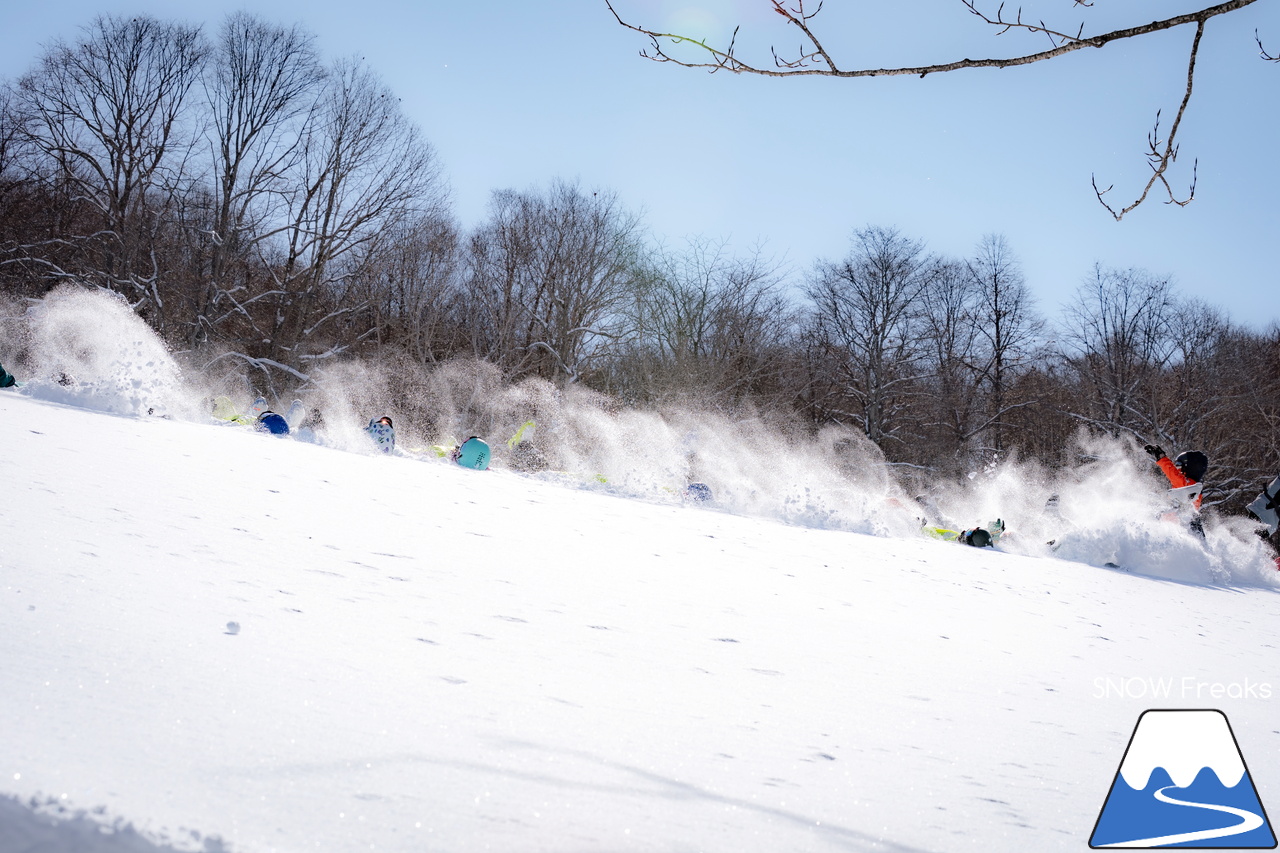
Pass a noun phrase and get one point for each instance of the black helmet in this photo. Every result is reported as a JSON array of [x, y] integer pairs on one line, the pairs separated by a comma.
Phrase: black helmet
[[977, 537], [1193, 464]]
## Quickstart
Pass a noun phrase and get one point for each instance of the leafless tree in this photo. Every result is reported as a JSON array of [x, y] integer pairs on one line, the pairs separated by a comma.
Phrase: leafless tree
[[1119, 337], [949, 333], [363, 170], [411, 287], [709, 324], [261, 88], [107, 115], [9, 135], [814, 59], [1007, 326], [548, 273], [864, 331]]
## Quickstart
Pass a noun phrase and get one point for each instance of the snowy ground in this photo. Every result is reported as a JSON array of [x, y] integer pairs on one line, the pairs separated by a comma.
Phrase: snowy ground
[[213, 639], [429, 658]]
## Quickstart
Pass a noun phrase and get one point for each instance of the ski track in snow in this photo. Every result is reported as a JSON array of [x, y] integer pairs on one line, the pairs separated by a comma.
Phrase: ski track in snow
[[436, 659]]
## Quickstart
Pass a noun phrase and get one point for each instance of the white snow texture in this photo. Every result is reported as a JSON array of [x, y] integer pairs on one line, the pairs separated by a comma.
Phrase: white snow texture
[[214, 639]]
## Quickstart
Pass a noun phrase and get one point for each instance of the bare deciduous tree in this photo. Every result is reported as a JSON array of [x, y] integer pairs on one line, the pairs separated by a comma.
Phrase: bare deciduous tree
[[953, 409], [261, 86], [363, 170], [106, 114], [865, 308], [548, 275], [709, 324], [1005, 323], [410, 285], [1119, 336]]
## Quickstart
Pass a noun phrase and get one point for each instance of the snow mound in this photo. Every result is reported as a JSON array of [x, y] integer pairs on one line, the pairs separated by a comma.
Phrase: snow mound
[[89, 349], [34, 827]]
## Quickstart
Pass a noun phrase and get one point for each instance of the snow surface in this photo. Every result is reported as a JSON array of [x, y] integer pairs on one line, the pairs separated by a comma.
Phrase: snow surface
[[212, 639]]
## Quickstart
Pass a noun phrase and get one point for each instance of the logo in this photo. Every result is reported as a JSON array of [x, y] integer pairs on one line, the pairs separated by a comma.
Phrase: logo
[[1183, 783]]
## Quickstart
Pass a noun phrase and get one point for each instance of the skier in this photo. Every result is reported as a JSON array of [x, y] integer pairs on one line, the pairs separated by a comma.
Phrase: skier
[[6, 378], [937, 526], [1187, 470]]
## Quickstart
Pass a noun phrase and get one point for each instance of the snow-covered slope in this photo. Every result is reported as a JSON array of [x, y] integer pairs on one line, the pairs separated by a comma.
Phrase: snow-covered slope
[[428, 658]]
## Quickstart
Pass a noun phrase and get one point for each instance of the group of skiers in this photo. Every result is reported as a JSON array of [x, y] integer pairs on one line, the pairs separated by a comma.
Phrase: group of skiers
[[472, 453], [1185, 474]]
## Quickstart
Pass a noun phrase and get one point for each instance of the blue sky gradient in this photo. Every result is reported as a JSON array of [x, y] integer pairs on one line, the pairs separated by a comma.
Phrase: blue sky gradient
[[515, 94]]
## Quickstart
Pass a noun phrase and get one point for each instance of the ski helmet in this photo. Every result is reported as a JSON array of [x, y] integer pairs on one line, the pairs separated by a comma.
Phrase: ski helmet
[[1193, 464], [977, 537], [273, 423], [472, 453], [698, 492]]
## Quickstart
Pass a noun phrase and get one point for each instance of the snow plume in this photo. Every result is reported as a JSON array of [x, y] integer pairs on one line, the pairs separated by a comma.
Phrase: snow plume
[[1113, 510], [753, 464], [88, 348]]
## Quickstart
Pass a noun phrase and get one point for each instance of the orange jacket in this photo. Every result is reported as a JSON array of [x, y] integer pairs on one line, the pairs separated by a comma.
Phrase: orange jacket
[[1177, 479]]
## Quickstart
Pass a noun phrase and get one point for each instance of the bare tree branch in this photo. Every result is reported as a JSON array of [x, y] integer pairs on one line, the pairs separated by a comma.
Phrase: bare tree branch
[[1161, 154], [1262, 50], [813, 58], [727, 59]]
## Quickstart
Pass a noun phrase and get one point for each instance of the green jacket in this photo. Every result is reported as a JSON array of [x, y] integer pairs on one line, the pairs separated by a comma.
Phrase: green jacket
[[6, 378]]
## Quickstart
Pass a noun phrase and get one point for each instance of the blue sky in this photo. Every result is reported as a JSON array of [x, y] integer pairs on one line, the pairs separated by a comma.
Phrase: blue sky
[[515, 94]]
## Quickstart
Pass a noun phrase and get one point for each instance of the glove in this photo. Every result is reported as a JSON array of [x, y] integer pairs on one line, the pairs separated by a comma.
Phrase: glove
[[1154, 450]]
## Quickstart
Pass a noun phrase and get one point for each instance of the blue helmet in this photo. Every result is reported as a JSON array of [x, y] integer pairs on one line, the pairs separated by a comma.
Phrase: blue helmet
[[472, 453], [699, 492], [273, 423]]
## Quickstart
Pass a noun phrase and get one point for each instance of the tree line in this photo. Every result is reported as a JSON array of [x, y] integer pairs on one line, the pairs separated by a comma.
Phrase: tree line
[[270, 214]]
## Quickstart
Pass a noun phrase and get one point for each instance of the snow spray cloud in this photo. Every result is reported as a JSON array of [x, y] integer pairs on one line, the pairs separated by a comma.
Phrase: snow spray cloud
[[756, 465], [88, 348], [1112, 509]]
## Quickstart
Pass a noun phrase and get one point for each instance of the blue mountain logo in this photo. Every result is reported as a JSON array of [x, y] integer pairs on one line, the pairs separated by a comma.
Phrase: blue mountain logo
[[1183, 783]]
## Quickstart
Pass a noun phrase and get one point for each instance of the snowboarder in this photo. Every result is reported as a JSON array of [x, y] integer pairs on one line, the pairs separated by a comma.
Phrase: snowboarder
[[1266, 508], [1188, 469], [472, 453], [383, 433], [697, 493], [1184, 474], [6, 378], [270, 422], [978, 537]]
